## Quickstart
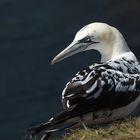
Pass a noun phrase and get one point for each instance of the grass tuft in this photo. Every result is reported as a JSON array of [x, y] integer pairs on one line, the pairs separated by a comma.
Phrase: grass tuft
[[128, 129]]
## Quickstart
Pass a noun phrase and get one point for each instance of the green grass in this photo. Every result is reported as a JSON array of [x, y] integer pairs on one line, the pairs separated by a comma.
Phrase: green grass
[[128, 129]]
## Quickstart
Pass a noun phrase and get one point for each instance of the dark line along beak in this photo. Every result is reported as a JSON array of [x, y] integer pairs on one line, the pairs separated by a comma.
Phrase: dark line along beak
[[72, 49]]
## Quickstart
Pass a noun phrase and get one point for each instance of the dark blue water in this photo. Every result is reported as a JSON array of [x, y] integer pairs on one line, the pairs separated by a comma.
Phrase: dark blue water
[[31, 33]]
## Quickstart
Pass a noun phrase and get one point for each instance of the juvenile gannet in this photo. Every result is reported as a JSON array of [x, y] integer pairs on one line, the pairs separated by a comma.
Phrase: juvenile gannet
[[103, 91]]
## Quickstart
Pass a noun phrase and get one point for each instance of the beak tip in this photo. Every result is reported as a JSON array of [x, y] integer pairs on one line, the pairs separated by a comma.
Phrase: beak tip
[[62, 55], [54, 61]]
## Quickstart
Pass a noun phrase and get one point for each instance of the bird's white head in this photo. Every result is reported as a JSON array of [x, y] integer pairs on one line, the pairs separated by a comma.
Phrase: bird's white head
[[98, 36]]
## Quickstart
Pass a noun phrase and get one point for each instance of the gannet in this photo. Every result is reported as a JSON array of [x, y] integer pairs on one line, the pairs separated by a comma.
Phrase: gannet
[[102, 92]]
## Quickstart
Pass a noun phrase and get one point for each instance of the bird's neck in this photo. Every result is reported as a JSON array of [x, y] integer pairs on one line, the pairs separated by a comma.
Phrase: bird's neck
[[120, 46], [117, 49]]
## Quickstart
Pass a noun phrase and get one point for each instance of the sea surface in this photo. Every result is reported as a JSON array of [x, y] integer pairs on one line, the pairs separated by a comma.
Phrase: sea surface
[[32, 32]]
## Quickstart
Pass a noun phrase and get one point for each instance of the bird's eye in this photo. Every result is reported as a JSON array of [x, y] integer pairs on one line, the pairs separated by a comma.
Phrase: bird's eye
[[87, 39]]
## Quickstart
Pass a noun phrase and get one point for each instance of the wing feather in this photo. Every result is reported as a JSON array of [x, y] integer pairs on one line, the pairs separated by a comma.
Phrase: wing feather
[[104, 84]]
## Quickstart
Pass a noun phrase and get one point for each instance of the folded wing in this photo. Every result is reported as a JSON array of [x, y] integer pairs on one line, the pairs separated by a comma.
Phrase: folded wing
[[101, 88]]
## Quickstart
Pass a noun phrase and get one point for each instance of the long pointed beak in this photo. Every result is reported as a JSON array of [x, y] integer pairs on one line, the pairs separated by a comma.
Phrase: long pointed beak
[[72, 49]]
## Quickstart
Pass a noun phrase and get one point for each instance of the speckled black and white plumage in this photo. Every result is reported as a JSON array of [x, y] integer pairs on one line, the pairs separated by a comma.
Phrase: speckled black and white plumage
[[107, 85]]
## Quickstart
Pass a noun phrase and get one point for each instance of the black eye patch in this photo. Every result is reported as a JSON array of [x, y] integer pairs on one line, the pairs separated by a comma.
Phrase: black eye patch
[[87, 39]]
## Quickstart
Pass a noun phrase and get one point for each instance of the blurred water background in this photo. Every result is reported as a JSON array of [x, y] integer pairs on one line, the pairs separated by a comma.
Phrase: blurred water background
[[31, 33]]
